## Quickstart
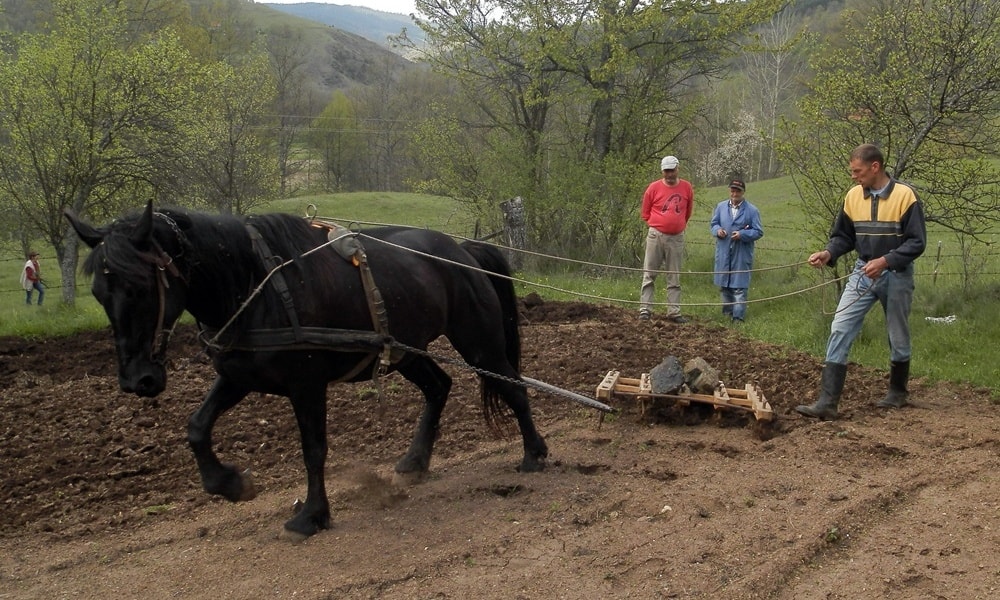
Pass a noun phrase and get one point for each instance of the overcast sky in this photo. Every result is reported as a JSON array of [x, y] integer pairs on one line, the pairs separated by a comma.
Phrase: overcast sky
[[404, 7]]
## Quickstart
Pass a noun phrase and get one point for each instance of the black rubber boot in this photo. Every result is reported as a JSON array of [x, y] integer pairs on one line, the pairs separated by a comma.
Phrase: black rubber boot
[[830, 388], [898, 394]]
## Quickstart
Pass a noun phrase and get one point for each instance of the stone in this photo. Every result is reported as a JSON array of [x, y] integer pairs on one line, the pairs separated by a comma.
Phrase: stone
[[667, 377], [701, 377]]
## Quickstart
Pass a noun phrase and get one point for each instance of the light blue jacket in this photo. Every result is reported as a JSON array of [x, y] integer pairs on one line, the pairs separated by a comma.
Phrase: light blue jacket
[[734, 258]]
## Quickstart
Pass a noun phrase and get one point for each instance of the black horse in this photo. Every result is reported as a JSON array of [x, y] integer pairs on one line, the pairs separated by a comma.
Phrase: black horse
[[286, 314]]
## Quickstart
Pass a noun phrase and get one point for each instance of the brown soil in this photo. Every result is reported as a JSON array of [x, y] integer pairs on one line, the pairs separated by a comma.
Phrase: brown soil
[[100, 496]]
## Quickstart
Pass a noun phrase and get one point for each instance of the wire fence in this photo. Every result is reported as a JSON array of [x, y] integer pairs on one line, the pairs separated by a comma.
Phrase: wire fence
[[770, 259]]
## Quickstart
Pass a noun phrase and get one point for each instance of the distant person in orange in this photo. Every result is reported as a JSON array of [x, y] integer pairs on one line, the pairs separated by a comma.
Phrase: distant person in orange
[[666, 207], [31, 279]]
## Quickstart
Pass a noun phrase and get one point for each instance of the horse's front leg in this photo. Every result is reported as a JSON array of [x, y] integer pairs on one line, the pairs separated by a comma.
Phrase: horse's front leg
[[217, 478], [435, 384], [309, 405]]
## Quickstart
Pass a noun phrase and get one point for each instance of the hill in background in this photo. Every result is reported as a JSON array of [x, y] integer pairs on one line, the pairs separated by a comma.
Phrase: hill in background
[[336, 58], [374, 25], [343, 46]]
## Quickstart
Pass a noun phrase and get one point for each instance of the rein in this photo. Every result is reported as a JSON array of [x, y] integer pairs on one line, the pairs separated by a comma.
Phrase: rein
[[163, 264]]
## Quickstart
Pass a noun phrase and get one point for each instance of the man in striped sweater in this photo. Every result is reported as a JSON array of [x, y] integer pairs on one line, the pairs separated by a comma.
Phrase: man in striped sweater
[[884, 222]]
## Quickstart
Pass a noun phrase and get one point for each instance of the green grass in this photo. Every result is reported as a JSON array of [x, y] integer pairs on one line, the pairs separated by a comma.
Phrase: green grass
[[52, 319], [781, 311], [364, 208]]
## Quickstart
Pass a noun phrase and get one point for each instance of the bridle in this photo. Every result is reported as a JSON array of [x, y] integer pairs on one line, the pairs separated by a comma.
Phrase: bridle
[[162, 263]]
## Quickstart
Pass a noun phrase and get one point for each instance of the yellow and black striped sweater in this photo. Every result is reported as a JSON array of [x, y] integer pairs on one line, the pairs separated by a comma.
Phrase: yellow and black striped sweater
[[892, 226]]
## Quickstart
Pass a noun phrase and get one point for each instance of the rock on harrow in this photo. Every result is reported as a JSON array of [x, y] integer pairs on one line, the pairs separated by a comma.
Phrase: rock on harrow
[[750, 399]]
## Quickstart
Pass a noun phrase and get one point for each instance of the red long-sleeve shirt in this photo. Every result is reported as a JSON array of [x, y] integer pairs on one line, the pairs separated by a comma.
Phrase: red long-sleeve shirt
[[668, 208]]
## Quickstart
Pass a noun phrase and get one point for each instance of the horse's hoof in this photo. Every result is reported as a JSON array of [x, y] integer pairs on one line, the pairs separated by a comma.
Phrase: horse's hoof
[[305, 522], [248, 489], [409, 478]]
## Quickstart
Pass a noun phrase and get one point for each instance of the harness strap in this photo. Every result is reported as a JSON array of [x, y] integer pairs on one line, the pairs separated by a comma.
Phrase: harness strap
[[164, 264], [350, 248], [376, 306], [307, 338], [377, 342], [271, 263]]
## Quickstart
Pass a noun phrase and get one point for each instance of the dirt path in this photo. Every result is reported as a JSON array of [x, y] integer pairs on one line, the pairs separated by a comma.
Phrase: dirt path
[[100, 496]]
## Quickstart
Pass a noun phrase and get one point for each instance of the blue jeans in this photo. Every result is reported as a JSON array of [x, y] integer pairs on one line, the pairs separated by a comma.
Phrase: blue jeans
[[734, 302], [894, 290], [41, 293]]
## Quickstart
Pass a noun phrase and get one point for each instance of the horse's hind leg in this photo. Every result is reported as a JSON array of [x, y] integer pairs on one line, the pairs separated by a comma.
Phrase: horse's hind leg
[[435, 384], [516, 397], [217, 478]]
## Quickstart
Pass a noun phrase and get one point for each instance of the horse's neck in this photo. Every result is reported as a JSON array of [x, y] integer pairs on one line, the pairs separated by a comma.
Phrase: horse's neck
[[219, 287]]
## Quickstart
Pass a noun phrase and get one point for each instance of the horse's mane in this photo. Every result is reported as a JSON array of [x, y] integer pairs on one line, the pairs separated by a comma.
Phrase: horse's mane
[[203, 243]]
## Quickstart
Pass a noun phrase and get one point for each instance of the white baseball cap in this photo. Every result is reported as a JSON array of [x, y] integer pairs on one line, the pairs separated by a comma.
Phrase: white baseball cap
[[669, 162]]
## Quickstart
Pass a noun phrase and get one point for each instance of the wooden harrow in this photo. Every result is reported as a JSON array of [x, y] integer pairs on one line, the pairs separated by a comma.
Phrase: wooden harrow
[[750, 398]]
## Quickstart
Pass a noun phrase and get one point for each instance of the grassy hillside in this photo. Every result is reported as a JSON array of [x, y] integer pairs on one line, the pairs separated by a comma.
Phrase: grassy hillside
[[784, 309], [367, 208]]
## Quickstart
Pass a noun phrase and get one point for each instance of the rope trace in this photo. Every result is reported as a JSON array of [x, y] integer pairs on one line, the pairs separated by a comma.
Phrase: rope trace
[[586, 295], [594, 297]]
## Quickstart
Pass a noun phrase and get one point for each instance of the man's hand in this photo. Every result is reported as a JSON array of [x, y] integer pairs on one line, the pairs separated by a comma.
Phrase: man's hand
[[876, 267], [819, 259], [721, 233]]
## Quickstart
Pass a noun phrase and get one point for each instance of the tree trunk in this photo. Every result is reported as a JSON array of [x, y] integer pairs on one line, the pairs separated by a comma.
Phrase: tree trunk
[[68, 261]]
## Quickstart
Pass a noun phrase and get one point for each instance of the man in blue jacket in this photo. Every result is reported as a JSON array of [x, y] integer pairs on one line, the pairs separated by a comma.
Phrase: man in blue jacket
[[882, 219], [736, 226]]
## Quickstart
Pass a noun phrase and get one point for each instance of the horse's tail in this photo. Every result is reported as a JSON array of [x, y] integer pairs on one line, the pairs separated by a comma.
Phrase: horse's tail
[[491, 259]]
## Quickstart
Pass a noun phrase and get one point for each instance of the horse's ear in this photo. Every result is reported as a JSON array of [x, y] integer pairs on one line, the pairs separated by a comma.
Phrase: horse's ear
[[90, 236], [143, 231]]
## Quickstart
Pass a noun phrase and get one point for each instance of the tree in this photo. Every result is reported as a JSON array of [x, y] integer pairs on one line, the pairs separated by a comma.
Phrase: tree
[[920, 79], [336, 137], [734, 155], [294, 101], [235, 167], [91, 120], [591, 88], [773, 66], [380, 107], [230, 28]]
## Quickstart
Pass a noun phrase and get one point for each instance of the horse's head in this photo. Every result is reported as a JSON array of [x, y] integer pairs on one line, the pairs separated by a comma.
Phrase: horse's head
[[138, 284]]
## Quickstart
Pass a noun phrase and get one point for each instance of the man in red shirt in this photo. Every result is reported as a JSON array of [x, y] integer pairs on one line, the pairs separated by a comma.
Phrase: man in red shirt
[[666, 208]]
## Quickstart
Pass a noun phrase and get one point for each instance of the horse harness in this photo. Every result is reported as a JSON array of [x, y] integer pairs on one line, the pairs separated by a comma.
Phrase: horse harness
[[163, 264], [373, 343]]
